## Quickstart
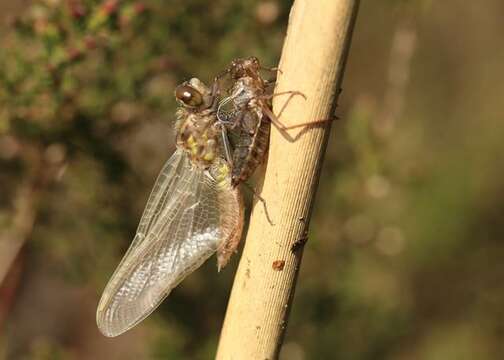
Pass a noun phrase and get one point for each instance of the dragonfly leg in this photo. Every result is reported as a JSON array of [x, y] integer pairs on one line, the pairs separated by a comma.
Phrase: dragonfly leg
[[227, 146], [214, 94], [261, 199], [272, 69], [275, 118], [222, 126], [291, 95]]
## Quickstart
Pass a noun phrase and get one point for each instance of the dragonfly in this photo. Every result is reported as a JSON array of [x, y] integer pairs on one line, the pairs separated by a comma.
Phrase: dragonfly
[[193, 211]]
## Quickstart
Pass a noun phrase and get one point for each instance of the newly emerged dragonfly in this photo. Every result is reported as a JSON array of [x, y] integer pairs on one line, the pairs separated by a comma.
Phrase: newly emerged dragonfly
[[194, 210]]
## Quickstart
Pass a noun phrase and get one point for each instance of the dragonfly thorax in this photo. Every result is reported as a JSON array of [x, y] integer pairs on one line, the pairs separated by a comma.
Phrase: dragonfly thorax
[[197, 135]]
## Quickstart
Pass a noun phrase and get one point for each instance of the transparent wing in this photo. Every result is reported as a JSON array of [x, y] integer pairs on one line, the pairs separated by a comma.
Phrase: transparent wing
[[190, 214]]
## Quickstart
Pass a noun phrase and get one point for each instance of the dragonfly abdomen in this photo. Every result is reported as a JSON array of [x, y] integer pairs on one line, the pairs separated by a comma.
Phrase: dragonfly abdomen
[[250, 152]]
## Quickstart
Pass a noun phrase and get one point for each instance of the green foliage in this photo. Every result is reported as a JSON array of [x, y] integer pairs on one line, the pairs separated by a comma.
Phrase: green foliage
[[85, 123]]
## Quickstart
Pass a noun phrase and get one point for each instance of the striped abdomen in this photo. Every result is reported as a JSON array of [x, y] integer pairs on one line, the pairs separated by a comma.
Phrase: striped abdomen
[[250, 149]]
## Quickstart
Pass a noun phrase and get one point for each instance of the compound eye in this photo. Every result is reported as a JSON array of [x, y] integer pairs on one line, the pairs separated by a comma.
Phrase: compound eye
[[188, 95]]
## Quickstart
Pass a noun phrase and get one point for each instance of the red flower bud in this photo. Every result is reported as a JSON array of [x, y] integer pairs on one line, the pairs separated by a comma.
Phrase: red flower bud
[[139, 7], [76, 9], [110, 7]]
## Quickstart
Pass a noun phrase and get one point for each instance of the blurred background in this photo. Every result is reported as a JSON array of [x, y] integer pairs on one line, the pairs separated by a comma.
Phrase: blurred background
[[406, 256]]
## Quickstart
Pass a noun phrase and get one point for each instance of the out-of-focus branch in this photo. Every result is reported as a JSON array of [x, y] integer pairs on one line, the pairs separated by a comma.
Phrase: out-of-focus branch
[[44, 167], [313, 61], [13, 238]]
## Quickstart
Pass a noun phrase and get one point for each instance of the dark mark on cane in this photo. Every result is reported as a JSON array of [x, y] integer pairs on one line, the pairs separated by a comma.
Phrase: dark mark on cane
[[278, 265], [300, 243]]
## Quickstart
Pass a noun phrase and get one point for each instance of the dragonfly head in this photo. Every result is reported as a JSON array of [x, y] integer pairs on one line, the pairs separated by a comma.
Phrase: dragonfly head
[[193, 94]]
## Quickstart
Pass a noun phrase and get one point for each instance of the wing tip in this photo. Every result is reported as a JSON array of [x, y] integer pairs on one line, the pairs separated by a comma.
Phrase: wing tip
[[108, 327], [105, 327]]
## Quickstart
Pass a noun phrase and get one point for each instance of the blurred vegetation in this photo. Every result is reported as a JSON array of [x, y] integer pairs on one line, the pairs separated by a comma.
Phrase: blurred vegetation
[[405, 253]]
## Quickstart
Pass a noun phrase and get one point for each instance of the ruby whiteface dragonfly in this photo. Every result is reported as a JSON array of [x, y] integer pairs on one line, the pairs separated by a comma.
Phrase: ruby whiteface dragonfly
[[193, 212]]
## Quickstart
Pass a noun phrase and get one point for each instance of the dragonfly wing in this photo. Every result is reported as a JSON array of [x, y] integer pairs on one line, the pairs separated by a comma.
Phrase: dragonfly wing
[[190, 214], [168, 178]]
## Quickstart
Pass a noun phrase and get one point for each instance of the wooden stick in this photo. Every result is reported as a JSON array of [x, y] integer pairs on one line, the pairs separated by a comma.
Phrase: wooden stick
[[313, 60], [13, 237]]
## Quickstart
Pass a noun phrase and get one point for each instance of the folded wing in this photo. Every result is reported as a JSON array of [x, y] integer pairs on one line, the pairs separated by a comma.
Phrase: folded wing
[[190, 214]]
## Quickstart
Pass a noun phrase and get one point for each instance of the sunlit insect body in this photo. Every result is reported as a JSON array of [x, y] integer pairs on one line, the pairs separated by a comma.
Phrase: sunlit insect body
[[249, 120], [192, 212]]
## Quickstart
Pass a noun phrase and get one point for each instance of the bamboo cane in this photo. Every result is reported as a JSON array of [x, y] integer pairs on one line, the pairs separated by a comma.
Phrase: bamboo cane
[[313, 61]]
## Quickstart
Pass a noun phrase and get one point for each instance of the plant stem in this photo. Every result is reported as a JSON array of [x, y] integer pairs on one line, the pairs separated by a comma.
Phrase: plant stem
[[312, 62]]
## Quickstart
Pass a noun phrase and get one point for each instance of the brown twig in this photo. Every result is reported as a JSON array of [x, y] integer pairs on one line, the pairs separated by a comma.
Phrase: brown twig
[[44, 168], [313, 61]]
